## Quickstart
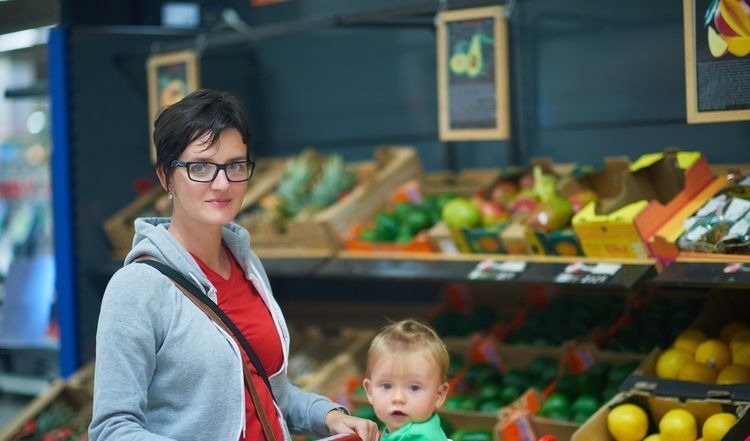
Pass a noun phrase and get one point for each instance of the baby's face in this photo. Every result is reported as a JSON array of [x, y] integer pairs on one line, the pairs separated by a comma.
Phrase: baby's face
[[404, 388]]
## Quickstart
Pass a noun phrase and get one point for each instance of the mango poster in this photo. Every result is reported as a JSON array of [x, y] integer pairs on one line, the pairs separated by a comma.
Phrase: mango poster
[[722, 54]]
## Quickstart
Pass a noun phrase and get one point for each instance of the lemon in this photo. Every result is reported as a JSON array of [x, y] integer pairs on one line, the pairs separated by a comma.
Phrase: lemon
[[729, 330], [627, 422], [742, 355], [653, 437], [739, 339], [678, 425], [697, 372], [689, 339], [714, 352], [670, 361], [717, 425], [733, 374]]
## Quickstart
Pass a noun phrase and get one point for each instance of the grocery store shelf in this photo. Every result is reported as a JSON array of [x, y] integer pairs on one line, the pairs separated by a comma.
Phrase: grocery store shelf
[[601, 273], [578, 271], [704, 274]]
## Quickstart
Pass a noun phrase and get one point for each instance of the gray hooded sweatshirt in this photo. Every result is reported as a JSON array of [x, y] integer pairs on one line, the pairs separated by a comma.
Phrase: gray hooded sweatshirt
[[164, 370]]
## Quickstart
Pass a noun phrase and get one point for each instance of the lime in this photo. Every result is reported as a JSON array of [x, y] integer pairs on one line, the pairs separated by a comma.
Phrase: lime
[[418, 220], [556, 406], [517, 378], [405, 234], [386, 227], [508, 394], [584, 406], [481, 373], [491, 405], [402, 210], [454, 401]]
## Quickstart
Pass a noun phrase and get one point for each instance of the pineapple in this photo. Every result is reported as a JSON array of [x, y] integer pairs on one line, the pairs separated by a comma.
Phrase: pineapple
[[334, 179], [293, 189]]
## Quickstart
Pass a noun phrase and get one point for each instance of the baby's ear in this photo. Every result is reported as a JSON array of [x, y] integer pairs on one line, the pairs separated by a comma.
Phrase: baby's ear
[[442, 394], [367, 385]]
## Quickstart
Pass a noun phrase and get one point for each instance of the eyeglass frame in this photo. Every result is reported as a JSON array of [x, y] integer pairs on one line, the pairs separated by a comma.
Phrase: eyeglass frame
[[219, 167]]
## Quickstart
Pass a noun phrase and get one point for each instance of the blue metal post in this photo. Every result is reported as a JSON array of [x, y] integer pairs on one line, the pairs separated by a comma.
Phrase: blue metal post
[[62, 202]]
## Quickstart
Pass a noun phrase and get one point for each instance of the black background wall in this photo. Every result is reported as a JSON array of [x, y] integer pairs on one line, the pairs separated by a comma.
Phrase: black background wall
[[589, 79]]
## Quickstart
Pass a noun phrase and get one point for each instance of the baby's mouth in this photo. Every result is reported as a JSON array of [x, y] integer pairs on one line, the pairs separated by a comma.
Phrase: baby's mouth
[[398, 414]]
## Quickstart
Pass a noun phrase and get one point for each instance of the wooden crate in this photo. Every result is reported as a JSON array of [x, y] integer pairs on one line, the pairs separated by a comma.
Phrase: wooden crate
[[321, 234], [78, 401]]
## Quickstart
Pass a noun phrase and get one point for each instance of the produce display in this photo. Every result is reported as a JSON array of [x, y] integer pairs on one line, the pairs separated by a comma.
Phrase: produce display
[[697, 357], [630, 422], [722, 225], [575, 397], [654, 322]]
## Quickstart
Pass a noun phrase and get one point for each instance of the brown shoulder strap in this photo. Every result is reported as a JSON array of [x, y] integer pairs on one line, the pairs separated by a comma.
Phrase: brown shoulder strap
[[249, 383]]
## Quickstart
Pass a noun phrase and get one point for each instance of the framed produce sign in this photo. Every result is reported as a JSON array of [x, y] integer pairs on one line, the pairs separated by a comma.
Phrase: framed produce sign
[[171, 77], [472, 56], [717, 60]]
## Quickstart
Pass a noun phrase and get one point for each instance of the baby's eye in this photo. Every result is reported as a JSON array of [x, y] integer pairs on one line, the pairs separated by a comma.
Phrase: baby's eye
[[414, 388], [386, 386]]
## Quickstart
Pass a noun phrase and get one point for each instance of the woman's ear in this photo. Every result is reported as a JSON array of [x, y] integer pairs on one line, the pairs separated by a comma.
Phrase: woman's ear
[[162, 178]]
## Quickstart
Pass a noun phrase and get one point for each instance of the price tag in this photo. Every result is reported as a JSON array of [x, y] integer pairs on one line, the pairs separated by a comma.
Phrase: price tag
[[498, 271], [588, 274]]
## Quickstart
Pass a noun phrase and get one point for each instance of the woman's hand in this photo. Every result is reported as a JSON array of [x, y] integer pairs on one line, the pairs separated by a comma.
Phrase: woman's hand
[[339, 422]]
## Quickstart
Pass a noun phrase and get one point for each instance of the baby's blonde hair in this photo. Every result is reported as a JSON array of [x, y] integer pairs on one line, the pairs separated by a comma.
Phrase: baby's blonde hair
[[408, 336]]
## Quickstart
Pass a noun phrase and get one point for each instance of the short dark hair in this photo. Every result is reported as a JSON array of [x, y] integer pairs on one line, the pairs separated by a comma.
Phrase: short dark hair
[[202, 112]]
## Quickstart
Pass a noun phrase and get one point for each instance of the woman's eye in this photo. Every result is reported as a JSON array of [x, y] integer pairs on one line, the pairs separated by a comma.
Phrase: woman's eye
[[236, 167], [198, 167]]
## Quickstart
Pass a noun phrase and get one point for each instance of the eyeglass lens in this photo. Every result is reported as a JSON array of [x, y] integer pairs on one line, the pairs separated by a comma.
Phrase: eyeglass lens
[[207, 171]]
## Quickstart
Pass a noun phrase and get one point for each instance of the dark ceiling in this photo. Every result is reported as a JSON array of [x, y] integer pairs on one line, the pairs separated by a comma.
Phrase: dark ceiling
[[17, 15]]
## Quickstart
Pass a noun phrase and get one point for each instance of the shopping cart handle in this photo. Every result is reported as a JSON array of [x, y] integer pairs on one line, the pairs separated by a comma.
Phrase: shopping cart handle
[[342, 437]]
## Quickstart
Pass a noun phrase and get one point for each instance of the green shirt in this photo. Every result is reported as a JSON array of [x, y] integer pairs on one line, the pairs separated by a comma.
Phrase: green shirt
[[429, 430]]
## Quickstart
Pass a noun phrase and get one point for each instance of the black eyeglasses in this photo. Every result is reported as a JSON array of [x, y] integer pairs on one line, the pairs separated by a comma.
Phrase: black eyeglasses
[[203, 171]]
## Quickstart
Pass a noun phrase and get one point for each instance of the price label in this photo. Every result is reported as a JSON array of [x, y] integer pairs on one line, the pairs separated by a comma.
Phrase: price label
[[588, 274], [497, 271]]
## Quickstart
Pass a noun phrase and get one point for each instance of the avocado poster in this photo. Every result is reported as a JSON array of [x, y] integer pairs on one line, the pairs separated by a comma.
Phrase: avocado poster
[[717, 60], [473, 74]]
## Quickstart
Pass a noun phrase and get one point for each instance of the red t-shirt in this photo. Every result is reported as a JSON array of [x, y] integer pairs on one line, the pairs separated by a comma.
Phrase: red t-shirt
[[242, 303]]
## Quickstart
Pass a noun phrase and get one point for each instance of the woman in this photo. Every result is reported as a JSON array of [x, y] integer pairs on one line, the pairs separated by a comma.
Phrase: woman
[[163, 369]]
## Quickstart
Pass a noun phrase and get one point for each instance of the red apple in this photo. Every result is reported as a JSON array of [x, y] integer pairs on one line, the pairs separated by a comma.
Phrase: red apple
[[502, 192], [581, 198], [523, 204], [493, 213], [526, 180]]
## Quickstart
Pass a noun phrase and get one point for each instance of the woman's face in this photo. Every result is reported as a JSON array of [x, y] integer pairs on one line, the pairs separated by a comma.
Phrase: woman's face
[[209, 203]]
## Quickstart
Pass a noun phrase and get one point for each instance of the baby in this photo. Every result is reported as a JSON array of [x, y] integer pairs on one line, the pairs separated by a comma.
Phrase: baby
[[406, 381]]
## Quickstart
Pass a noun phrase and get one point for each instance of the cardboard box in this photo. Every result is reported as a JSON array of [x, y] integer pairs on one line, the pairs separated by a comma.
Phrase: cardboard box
[[72, 404], [595, 428], [655, 189], [324, 232], [663, 244]]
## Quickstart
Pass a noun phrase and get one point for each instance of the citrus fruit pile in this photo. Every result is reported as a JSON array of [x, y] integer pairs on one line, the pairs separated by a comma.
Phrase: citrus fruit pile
[[630, 422], [696, 357]]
